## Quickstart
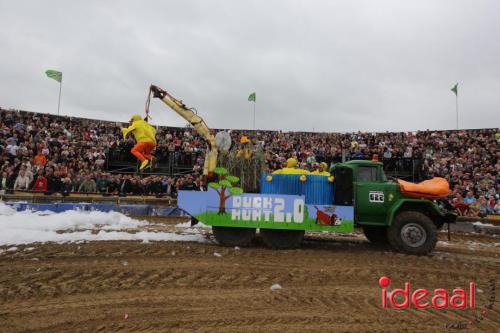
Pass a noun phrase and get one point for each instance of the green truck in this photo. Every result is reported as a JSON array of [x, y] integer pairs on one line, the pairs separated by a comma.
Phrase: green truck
[[386, 215], [360, 195]]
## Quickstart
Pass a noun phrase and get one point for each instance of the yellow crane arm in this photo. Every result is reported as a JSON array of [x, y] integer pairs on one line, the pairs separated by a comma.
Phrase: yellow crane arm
[[196, 121]]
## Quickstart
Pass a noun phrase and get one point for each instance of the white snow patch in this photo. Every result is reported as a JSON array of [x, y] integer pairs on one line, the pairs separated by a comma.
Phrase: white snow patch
[[6, 210], [77, 226], [217, 254], [479, 224], [276, 287], [187, 225]]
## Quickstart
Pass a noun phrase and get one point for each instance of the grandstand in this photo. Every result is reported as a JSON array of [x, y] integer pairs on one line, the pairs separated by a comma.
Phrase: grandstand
[[77, 155]]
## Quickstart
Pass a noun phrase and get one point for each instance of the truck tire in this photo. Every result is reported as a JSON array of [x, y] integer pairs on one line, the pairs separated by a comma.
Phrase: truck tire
[[376, 234], [230, 236], [282, 239], [413, 233]]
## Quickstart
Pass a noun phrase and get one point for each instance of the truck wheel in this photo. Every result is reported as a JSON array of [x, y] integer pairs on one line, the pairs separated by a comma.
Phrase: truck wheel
[[413, 233], [230, 236], [376, 234], [282, 239]]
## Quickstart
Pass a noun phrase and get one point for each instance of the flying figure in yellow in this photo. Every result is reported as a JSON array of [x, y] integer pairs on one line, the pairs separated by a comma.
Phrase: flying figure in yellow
[[145, 137]]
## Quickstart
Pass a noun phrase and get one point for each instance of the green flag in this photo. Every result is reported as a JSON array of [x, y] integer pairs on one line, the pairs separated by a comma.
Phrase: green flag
[[251, 98], [455, 89], [53, 74]]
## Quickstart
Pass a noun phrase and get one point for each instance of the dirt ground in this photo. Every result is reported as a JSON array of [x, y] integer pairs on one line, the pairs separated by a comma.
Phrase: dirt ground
[[329, 285]]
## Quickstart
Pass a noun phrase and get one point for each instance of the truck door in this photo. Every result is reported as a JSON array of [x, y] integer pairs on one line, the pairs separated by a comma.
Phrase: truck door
[[370, 196]]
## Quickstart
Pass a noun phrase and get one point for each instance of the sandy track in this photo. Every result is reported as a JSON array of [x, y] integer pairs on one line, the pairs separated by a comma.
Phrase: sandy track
[[182, 287]]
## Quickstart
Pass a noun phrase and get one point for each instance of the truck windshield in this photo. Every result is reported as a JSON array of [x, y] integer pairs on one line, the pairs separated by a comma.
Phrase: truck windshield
[[367, 174]]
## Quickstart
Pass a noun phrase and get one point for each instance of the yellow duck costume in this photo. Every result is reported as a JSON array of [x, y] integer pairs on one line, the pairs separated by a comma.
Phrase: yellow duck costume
[[321, 171], [145, 137], [291, 168], [244, 150]]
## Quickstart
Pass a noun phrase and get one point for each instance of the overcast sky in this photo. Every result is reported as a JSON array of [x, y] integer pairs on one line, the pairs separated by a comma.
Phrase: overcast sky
[[315, 65]]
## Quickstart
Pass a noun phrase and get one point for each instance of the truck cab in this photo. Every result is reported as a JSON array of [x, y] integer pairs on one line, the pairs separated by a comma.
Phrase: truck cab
[[385, 213]]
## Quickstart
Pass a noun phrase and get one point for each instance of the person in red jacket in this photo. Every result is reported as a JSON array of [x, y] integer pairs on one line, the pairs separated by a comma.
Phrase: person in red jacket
[[40, 184]]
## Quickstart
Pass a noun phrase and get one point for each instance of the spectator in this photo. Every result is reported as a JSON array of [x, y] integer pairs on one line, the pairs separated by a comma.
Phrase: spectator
[[67, 186], [27, 172], [40, 159], [469, 199], [40, 184], [171, 189], [484, 207], [12, 147], [54, 182], [102, 183], [497, 208], [126, 185], [5, 181], [87, 186], [22, 181], [189, 185]]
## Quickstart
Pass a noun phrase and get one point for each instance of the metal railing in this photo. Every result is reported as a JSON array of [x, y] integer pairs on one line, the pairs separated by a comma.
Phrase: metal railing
[[400, 167], [169, 163]]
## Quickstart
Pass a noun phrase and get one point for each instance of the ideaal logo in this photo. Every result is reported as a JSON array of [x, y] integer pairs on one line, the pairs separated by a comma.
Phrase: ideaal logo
[[459, 298]]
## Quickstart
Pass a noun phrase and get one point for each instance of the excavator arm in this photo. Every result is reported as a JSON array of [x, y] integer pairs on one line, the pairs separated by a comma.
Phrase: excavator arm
[[196, 121]]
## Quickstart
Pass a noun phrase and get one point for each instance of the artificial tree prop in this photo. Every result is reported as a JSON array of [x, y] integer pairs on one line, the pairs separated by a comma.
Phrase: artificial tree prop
[[226, 183]]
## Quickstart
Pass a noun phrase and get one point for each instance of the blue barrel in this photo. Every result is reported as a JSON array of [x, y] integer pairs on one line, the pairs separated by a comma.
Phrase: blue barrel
[[316, 189], [281, 184]]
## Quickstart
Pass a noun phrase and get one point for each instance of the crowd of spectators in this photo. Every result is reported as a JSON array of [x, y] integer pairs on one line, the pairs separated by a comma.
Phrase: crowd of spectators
[[60, 155]]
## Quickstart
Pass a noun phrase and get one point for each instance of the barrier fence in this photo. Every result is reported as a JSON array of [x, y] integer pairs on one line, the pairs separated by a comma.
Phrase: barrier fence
[[137, 207], [127, 209], [169, 163], [172, 163]]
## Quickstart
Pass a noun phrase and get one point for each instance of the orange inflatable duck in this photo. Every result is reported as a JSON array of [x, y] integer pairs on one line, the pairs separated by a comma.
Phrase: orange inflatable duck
[[435, 188]]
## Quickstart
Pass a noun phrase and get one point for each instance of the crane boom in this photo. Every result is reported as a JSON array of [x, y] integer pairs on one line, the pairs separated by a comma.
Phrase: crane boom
[[191, 116]]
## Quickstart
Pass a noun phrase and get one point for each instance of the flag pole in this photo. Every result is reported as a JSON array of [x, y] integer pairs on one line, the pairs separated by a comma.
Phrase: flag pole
[[456, 102], [59, 100], [254, 115]]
